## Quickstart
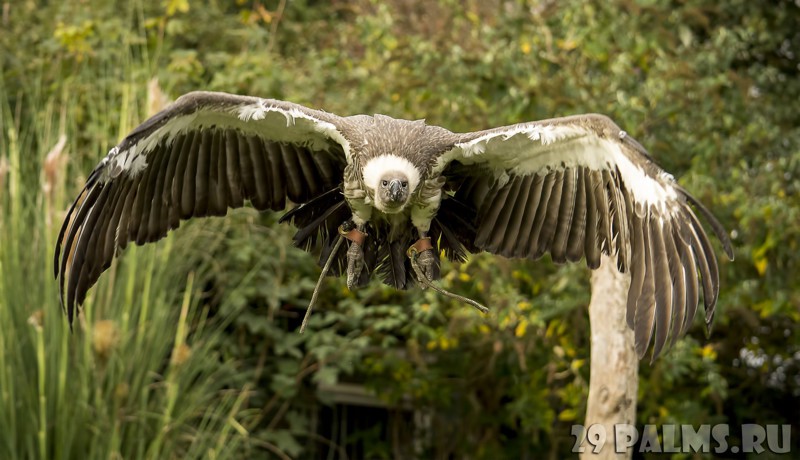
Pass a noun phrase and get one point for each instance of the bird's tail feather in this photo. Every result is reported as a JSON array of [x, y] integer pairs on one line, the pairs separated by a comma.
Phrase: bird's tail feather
[[393, 268]]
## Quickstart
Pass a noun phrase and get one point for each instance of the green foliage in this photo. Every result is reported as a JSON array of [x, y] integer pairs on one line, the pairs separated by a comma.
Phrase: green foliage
[[128, 383], [141, 376], [710, 89]]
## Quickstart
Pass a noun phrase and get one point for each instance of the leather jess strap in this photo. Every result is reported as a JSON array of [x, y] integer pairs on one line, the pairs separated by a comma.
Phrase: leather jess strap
[[422, 245], [354, 235]]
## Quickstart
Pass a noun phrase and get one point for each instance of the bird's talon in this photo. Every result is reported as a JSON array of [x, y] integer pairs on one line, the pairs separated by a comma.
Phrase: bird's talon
[[427, 263], [422, 253], [355, 253], [355, 264]]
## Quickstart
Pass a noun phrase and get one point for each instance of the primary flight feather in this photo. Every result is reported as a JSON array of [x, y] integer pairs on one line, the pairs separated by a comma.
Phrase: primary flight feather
[[574, 187]]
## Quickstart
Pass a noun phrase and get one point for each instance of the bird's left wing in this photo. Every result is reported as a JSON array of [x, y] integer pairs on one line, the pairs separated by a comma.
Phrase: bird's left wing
[[577, 187], [203, 154]]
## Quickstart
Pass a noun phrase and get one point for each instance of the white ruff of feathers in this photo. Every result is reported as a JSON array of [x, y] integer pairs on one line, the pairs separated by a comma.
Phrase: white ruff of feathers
[[379, 166]]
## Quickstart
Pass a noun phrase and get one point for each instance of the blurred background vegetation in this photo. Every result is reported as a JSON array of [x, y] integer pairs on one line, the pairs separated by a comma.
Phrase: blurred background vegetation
[[188, 348]]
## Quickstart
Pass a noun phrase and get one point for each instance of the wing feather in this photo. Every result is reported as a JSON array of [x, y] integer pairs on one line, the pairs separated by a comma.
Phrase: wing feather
[[218, 196], [580, 187], [181, 148], [491, 212], [592, 242], [154, 216], [512, 192], [203, 176], [565, 213], [81, 238], [626, 208], [528, 218], [551, 217], [690, 275], [113, 224], [707, 265], [122, 237], [233, 170], [638, 269], [138, 208], [329, 172], [169, 195], [517, 214], [615, 213], [577, 231], [601, 200], [97, 242], [541, 212], [189, 176], [280, 181], [262, 168], [678, 282], [247, 168], [292, 168], [205, 153], [310, 174], [644, 320], [475, 190], [663, 284]]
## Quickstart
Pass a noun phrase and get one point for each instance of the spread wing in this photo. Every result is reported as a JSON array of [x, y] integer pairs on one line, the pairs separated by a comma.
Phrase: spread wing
[[205, 153], [577, 187]]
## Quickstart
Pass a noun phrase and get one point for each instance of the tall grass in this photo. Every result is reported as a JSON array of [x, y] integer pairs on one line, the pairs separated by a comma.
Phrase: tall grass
[[139, 377]]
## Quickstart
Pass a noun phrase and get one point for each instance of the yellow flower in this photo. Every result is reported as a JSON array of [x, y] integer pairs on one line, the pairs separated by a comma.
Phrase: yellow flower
[[522, 326], [708, 352]]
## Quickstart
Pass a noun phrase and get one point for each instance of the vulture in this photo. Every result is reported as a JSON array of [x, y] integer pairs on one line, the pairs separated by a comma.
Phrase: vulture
[[403, 194]]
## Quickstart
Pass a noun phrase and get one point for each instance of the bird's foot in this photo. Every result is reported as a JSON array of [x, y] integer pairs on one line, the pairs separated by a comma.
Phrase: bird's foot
[[426, 266], [355, 254], [423, 254], [355, 263]]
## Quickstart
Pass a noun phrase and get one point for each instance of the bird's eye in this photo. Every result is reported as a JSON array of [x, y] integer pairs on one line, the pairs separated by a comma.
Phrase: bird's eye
[[384, 183], [404, 184]]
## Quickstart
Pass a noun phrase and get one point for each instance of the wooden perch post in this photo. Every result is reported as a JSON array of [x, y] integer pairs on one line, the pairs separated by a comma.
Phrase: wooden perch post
[[613, 382]]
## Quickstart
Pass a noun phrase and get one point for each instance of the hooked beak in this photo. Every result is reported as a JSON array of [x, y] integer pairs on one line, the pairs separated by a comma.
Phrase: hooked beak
[[395, 191]]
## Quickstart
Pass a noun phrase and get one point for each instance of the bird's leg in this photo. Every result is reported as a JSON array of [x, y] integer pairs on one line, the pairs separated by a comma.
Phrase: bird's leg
[[422, 214], [355, 253], [426, 265], [425, 257]]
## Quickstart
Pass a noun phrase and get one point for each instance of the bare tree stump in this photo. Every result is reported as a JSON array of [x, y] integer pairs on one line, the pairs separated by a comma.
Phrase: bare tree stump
[[614, 367]]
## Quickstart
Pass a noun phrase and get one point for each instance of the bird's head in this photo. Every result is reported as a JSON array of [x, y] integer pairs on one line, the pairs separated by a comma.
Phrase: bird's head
[[393, 180], [393, 190]]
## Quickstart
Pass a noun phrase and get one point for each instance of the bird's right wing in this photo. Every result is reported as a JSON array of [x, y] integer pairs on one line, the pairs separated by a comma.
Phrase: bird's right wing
[[205, 153], [577, 187]]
